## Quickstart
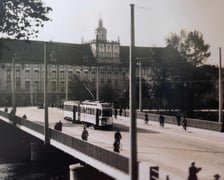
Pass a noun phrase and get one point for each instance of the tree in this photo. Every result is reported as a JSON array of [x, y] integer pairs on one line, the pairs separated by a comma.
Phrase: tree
[[22, 18], [81, 89], [190, 45]]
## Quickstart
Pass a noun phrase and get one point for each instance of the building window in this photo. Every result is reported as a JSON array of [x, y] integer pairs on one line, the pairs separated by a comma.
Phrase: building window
[[36, 85], [18, 85], [53, 86], [17, 73], [36, 74], [93, 76], [8, 85], [62, 75], [70, 75], [62, 86], [27, 85], [27, 74], [86, 75], [53, 74], [78, 73], [8, 74]]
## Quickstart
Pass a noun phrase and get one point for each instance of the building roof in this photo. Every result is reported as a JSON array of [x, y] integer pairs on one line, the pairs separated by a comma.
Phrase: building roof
[[146, 54], [57, 53], [65, 53]]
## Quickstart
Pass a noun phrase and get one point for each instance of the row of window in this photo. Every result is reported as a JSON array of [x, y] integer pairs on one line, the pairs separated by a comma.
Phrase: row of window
[[50, 66], [88, 110], [36, 86], [108, 46], [53, 74], [109, 54]]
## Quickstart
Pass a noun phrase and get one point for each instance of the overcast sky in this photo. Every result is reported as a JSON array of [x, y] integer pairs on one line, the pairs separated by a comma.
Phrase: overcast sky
[[73, 20]]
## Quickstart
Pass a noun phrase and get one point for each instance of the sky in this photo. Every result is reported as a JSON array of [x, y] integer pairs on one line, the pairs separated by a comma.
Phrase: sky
[[75, 20]]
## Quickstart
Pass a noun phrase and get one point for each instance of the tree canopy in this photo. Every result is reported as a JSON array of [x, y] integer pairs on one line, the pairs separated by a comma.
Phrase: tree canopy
[[190, 45], [22, 18]]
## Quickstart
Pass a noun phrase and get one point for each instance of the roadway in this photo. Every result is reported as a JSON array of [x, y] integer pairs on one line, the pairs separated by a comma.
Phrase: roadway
[[170, 147]]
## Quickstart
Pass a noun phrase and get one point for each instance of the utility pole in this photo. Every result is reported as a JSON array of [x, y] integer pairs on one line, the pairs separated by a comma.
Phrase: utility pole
[[13, 87], [46, 125], [133, 167], [140, 85], [97, 83], [220, 92], [220, 87], [66, 83]]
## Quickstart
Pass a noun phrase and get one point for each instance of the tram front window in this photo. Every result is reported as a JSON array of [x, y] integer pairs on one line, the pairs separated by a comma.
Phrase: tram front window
[[107, 112]]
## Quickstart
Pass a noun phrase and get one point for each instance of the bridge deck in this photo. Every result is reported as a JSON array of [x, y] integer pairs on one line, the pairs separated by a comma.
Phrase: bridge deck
[[170, 147]]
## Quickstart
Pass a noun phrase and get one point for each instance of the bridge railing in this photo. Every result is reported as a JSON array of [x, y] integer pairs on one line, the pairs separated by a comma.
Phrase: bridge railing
[[113, 159], [197, 123], [108, 157]]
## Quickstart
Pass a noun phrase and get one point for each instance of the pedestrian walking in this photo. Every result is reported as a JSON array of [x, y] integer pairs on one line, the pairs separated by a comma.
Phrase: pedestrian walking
[[184, 123], [85, 134], [58, 126], [178, 118], [24, 116], [117, 136], [115, 113], [161, 120], [120, 111], [216, 177], [146, 118], [116, 146], [193, 170], [117, 139]]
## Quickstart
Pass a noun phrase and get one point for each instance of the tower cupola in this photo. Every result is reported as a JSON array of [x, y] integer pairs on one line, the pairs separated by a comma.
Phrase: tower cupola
[[101, 32]]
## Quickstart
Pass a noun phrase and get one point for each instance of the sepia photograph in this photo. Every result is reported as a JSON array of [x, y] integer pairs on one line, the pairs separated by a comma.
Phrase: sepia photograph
[[111, 90]]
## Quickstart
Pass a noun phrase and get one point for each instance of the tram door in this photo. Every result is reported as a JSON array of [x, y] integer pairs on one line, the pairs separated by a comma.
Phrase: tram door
[[97, 117], [74, 112]]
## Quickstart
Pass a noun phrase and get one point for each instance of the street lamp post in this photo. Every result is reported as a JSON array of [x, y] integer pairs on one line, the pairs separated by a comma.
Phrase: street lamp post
[[140, 85], [97, 83], [46, 125], [220, 92]]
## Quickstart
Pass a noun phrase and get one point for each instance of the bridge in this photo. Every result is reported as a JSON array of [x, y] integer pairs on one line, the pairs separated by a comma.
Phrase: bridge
[[170, 148]]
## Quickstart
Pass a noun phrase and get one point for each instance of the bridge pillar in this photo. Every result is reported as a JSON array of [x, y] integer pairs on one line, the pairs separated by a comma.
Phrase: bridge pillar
[[72, 168]]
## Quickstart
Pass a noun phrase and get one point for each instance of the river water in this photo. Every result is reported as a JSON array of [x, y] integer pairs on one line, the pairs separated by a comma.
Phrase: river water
[[46, 171], [15, 161]]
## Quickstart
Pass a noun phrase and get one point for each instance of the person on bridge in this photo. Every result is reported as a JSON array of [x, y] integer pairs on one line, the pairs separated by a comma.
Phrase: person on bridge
[[120, 112], [178, 117], [85, 134], [115, 113], [161, 120], [184, 123], [146, 118], [116, 146], [117, 136], [193, 170], [117, 139], [58, 126], [216, 177]]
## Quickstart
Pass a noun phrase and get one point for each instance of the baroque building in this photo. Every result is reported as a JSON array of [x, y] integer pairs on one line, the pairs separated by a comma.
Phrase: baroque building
[[101, 59]]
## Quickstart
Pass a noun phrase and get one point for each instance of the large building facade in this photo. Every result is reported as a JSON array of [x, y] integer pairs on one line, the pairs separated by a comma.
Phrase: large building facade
[[99, 61]]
